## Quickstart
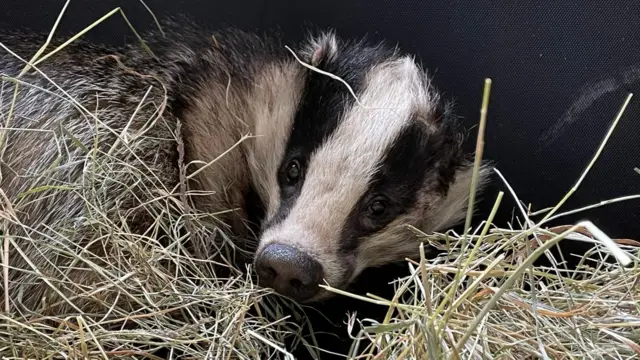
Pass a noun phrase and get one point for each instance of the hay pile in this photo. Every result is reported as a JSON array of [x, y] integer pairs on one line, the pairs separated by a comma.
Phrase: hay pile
[[473, 302], [491, 313]]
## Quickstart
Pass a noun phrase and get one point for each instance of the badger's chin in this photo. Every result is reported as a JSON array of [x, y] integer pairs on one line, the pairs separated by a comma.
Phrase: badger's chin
[[343, 278], [321, 296]]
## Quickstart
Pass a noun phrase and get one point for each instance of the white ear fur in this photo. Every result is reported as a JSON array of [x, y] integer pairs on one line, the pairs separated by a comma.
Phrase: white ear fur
[[323, 47], [453, 209]]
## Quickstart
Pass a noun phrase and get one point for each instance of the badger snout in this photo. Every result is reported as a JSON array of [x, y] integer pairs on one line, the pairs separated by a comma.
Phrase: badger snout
[[289, 271]]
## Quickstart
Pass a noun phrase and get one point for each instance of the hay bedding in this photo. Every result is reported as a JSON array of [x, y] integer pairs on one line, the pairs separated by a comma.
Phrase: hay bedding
[[475, 301]]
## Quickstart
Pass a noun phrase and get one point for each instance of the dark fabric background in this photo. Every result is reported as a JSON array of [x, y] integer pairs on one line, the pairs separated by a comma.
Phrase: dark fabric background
[[561, 71]]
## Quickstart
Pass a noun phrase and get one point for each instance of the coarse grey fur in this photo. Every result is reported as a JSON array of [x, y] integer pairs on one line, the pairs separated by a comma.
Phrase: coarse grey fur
[[63, 127]]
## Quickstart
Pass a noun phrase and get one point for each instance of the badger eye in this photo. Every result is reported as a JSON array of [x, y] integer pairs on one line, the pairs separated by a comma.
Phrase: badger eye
[[378, 207], [293, 172]]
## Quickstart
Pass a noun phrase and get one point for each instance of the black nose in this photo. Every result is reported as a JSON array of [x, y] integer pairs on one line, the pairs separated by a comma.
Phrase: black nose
[[289, 271]]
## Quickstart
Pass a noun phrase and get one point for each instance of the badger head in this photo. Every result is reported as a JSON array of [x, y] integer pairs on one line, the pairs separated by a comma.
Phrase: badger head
[[356, 170]]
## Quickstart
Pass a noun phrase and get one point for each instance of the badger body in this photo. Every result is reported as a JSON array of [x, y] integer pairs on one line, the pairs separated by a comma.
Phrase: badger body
[[336, 167]]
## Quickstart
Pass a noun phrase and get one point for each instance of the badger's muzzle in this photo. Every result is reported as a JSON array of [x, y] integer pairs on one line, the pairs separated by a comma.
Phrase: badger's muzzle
[[289, 271]]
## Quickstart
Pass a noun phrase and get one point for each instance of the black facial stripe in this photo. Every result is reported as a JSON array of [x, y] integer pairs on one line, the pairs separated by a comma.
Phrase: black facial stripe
[[409, 161], [321, 109]]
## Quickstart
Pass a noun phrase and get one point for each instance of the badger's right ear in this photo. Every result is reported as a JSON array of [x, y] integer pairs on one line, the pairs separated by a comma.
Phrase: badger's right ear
[[321, 48]]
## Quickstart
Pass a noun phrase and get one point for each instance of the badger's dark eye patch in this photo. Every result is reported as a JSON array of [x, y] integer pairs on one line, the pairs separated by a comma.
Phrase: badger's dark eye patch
[[399, 180], [376, 212], [378, 207], [291, 176], [293, 172]]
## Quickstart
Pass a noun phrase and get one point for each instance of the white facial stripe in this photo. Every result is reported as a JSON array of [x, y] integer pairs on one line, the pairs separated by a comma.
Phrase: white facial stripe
[[339, 172], [276, 92]]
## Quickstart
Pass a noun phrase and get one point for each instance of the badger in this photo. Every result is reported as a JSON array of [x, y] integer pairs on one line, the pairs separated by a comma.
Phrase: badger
[[324, 151]]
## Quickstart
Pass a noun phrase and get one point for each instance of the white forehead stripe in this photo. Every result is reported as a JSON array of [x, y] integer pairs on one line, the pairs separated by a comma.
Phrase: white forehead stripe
[[339, 172]]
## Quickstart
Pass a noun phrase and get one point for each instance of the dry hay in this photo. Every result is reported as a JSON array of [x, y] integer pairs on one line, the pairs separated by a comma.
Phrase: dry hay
[[473, 302]]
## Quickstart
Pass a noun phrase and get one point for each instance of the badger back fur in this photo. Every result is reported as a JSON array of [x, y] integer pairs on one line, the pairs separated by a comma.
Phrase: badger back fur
[[336, 177]]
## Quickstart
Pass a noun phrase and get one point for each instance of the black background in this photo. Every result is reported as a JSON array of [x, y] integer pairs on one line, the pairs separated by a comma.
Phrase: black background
[[560, 69]]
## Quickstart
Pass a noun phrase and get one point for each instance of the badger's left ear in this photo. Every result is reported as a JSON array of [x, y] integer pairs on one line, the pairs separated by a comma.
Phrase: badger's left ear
[[453, 208], [321, 48]]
